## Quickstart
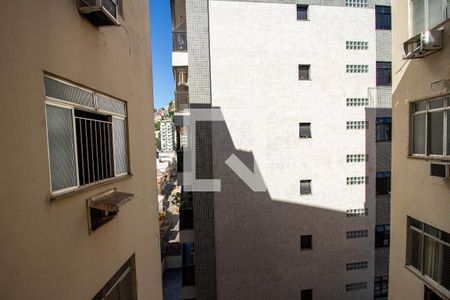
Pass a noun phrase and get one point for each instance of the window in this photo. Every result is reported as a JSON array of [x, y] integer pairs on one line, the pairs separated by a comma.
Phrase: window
[[383, 17], [356, 286], [381, 286], [356, 158], [357, 101], [426, 14], [384, 73], [302, 12], [357, 125], [306, 294], [429, 122], [428, 251], [305, 187], [87, 138], [356, 234], [306, 242], [383, 184], [356, 3], [382, 235], [356, 265], [384, 126], [122, 286], [357, 180], [120, 6], [356, 45], [303, 72], [305, 130]]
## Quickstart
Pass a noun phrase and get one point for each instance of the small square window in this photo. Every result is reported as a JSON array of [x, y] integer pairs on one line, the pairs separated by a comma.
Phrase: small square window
[[305, 242], [303, 72], [306, 294], [305, 187], [305, 130], [302, 12]]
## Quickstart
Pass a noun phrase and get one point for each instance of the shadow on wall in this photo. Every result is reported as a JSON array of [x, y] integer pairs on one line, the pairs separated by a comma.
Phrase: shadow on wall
[[257, 239]]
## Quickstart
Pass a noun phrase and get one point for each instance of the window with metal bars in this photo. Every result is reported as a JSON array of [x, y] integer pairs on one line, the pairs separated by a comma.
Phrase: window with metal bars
[[381, 286], [87, 138], [430, 127], [428, 252]]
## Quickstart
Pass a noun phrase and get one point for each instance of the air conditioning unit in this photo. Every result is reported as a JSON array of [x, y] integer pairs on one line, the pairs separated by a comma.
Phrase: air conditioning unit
[[99, 12], [440, 170], [423, 44], [182, 78]]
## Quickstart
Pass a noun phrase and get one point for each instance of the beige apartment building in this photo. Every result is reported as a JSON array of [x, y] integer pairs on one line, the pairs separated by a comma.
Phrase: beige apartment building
[[78, 218], [420, 209]]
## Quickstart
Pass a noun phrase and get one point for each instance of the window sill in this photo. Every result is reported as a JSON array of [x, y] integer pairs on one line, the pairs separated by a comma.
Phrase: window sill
[[57, 196], [434, 286], [430, 158], [303, 20]]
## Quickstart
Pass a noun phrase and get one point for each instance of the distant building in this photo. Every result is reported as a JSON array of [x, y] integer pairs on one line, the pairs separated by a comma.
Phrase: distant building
[[167, 136]]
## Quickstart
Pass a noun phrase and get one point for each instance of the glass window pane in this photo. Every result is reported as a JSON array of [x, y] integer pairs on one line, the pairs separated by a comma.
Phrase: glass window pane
[[431, 262], [436, 132], [445, 281], [120, 147], [435, 14], [418, 16], [61, 147], [419, 134], [415, 249], [448, 132], [420, 106], [437, 103]]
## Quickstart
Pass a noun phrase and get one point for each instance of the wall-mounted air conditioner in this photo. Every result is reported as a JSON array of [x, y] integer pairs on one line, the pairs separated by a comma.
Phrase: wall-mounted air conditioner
[[440, 170], [99, 12], [423, 44]]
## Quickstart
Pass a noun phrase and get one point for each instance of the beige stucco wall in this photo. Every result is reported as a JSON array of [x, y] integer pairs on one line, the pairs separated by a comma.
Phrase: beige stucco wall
[[45, 249], [414, 192]]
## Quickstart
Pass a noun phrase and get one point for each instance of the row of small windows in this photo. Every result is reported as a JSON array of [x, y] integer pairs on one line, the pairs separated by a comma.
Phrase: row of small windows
[[357, 125], [356, 286], [382, 13], [357, 180], [357, 3], [357, 68], [357, 212], [356, 45], [357, 101], [357, 234], [356, 265], [357, 157]]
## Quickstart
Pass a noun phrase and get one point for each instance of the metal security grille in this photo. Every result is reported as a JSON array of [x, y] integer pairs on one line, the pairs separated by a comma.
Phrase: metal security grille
[[356, 45], [94, 147], [66, 92], [61, 148]]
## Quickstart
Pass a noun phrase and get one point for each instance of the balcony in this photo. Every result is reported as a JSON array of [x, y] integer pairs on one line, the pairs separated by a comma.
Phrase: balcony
[[181, 101], [380, 97], [179, 41]]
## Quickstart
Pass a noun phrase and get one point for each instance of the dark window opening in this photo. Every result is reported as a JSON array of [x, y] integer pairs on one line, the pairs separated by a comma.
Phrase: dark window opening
[[383, 17], [384, 128], [384, 73], [94, 147], [306, 294], [305, 130], [383, 183], [382, 235], [303, 72], [381, 286], [305, 187], [302, 12], [306, 242]]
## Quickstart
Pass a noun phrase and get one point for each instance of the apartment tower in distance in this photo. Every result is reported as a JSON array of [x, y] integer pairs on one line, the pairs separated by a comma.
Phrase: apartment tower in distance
[[77, 148], [420, 250], [303, 89], [167, 131]]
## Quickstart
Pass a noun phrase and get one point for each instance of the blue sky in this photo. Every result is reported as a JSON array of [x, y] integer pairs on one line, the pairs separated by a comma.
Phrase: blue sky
[[161, 35]]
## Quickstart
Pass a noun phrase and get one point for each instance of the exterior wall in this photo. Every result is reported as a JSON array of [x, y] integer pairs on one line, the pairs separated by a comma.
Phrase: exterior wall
[[254, 80], [414, 192], [46, 251]]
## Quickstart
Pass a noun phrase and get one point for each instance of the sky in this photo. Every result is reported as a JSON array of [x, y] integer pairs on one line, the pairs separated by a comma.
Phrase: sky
[[161, 37]]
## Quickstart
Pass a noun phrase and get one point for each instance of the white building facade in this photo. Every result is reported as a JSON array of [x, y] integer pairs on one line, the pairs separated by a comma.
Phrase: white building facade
[[305, 79], [167, 136]]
